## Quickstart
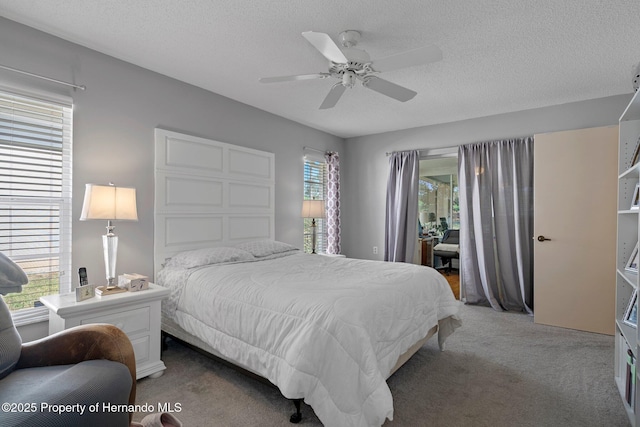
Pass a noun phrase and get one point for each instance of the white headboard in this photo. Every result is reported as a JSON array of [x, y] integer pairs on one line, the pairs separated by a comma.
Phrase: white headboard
[[209, 193]]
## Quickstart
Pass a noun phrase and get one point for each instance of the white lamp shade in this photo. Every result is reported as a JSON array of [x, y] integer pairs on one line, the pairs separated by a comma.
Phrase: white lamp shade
[[109, 202], [313, 209]]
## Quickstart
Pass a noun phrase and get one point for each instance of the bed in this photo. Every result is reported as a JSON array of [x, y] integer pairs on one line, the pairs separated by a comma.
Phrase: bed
[[326, 330]]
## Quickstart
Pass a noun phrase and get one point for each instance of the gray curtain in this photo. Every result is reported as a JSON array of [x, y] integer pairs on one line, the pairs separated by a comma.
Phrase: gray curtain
[[401, 222], [496, 221]]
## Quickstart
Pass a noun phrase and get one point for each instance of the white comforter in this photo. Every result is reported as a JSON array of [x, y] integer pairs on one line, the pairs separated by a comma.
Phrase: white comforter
[[325, 329]]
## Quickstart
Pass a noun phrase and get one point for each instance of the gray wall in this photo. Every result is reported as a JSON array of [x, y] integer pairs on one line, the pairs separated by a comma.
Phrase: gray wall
[[114, 121], [365, 173]]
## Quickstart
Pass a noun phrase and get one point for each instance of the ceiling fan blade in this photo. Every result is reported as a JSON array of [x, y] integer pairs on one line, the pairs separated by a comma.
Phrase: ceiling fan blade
[[294, 78], [333, 96], [410, 58], [385, 87], [326, 46]]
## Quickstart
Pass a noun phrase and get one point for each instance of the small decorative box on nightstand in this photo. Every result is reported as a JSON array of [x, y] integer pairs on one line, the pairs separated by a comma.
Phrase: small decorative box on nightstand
[[136, 313], [133, 282]]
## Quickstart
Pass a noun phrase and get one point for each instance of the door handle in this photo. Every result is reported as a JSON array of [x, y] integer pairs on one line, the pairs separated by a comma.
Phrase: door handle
[[542, 238]]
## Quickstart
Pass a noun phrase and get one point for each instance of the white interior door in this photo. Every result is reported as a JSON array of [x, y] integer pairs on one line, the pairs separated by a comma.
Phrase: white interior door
[[575, 190]]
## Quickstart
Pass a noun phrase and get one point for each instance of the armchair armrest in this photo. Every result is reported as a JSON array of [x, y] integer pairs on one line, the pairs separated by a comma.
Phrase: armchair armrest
[[80, 343]]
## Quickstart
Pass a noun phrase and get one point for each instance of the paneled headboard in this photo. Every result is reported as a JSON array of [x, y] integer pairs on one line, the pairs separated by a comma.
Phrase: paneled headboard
[[209, 193]]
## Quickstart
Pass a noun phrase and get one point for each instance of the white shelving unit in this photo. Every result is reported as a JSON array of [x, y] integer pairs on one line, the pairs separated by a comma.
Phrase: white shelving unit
[[627, 337]]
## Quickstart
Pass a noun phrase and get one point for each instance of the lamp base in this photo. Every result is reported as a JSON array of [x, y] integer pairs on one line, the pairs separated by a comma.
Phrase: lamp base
[[109, 290]]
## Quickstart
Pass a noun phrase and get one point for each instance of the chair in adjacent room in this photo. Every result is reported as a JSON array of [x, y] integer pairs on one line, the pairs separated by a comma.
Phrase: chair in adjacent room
[[448, 249]]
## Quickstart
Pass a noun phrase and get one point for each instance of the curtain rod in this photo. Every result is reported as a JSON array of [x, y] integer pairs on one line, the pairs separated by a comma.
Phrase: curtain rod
[[431, 152], [42, 77], [388, 153]]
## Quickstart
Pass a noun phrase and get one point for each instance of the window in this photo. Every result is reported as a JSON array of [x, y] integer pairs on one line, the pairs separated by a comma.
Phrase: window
[[315, 184], [438, 200], [35, 196]]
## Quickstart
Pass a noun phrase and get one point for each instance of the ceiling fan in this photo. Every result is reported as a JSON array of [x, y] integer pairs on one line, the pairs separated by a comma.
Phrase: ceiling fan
[[349, 64]]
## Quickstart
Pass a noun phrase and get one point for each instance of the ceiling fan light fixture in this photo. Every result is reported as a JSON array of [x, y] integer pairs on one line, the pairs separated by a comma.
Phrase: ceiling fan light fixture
[[348, 79]]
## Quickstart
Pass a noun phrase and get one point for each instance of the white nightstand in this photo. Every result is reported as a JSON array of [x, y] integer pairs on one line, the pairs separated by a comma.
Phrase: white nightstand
[[136, 313]]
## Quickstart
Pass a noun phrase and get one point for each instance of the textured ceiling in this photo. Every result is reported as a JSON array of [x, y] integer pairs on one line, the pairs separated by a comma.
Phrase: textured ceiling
[[498, 55]]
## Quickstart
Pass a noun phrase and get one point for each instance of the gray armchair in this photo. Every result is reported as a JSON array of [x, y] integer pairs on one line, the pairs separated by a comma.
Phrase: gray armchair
[[72, 378]]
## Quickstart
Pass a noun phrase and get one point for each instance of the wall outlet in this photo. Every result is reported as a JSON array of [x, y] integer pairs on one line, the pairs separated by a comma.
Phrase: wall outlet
[[375, 250]]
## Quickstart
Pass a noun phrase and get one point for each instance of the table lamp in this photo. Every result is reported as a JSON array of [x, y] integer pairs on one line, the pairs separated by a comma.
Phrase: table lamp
[[313, 209], [111, 203]]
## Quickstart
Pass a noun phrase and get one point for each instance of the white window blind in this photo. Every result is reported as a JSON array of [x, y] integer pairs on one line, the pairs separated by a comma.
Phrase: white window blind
[[315, 184], [35, 194]]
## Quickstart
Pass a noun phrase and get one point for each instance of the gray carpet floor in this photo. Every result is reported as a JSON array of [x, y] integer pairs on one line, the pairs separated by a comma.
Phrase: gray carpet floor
[[499, 369]]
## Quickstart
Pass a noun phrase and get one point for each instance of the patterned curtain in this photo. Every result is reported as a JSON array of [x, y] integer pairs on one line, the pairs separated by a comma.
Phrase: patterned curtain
[[332, 202]]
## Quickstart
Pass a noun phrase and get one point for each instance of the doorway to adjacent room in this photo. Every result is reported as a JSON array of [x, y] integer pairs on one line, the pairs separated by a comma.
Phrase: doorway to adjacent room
[[438, 211]]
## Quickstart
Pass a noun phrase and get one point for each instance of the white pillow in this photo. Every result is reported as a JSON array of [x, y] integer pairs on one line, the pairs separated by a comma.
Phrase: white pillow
[[263, 248], [206, 256]]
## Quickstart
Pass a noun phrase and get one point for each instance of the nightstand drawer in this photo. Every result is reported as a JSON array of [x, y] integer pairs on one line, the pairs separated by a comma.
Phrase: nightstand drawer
[[132, 322], [141, 347]]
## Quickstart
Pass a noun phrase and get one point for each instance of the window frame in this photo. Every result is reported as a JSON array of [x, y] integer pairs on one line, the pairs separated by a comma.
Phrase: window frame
[[63, 201], [453, 215], [314, 160]]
